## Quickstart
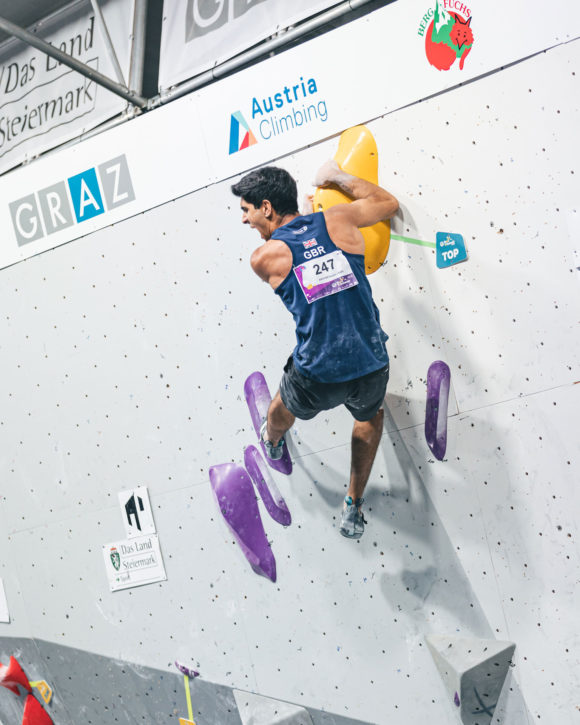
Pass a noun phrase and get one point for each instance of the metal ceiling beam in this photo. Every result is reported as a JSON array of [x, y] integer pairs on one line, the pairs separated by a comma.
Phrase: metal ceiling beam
[[85, 70], [137, 67], [102, 25]]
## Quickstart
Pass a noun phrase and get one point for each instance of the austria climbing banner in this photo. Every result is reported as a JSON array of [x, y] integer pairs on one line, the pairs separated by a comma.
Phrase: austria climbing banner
[[44, 103], [265, 112], [198, 34]]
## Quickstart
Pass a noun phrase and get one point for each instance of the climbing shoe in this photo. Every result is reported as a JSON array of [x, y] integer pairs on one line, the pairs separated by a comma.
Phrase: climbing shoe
[[352, 522], [274, 452]]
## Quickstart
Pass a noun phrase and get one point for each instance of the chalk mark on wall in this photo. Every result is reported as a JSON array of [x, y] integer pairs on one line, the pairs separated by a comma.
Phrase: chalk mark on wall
[[486, 710]]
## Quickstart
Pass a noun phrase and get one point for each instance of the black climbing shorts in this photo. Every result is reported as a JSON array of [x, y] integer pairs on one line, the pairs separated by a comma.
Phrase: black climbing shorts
[[304, 398]]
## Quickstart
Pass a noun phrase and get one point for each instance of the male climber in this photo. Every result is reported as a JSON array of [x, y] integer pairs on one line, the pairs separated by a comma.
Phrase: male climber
[[315, 263]]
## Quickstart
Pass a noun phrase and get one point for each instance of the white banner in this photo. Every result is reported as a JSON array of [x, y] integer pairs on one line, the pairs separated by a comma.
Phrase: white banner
[[386, 60], [267, 111], [199, 34], [44, 103]]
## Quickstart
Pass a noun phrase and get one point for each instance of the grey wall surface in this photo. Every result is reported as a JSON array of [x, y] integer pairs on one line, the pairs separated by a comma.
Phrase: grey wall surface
[[124, 356], [92, 689]]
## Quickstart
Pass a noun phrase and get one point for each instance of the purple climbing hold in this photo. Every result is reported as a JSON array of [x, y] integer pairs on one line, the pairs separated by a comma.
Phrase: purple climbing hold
[[438, 379], [186, 670], [258, 398], [456, 700], [262, 478], [236, 500]]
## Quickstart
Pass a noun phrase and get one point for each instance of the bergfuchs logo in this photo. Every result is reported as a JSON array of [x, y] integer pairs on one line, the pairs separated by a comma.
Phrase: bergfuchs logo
[[72, 201], [282, 112], [447, 32]]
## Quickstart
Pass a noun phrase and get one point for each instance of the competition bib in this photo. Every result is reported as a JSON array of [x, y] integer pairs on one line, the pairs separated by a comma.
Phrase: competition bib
[[325, 276]]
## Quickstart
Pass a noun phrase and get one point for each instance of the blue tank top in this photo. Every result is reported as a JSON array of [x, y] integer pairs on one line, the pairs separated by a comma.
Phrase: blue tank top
[[338, 331]]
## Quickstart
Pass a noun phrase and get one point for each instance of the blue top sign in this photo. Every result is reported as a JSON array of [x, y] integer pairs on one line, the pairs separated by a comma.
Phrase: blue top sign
[[450, 249]]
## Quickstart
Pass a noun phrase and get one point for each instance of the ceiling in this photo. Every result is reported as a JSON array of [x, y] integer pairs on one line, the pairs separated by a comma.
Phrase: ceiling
[[26, 13]]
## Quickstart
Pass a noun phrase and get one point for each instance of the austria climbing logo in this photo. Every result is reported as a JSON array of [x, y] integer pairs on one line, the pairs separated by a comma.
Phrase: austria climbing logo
[[448, 33], [241, 135], [282, 112]]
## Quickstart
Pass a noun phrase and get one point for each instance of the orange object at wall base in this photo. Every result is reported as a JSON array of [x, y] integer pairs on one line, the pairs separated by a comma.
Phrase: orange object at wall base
[[12, 675], [34, 713]]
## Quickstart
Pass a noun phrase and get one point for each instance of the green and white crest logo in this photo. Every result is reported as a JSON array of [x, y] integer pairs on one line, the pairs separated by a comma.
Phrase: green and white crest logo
[[115, 558]]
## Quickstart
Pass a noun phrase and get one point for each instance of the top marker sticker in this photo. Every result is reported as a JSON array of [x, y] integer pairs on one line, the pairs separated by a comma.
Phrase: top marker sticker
[[450, 249]]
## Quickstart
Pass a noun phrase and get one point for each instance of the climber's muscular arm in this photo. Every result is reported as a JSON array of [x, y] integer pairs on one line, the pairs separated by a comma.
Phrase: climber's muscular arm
[[272, 262], [371, 204]]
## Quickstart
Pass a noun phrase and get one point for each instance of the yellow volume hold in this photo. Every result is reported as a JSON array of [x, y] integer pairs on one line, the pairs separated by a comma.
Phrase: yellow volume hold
[[358, 155]]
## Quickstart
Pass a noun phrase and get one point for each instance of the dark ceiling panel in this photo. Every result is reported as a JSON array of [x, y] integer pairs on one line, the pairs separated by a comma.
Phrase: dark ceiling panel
[[28, 12]]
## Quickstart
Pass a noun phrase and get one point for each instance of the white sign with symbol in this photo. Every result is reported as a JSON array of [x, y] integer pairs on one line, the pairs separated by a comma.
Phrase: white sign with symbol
[[136, 512]]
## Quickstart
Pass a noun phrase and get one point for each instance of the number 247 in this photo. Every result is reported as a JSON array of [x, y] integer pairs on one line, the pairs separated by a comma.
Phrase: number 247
[[324, 267]]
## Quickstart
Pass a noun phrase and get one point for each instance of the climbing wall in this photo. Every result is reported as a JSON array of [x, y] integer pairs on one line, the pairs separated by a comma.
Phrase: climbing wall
[[124, 356]]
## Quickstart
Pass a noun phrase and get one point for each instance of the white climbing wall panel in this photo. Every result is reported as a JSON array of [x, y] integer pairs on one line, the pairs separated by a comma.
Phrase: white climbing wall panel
[[124, 355]]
